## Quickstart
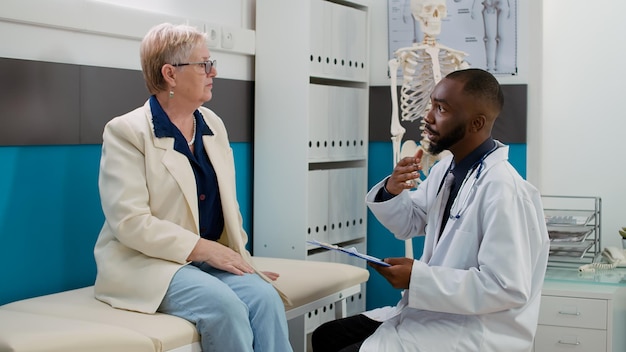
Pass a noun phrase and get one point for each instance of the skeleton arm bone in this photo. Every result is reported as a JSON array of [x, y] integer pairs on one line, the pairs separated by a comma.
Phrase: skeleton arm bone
[[397, 131]]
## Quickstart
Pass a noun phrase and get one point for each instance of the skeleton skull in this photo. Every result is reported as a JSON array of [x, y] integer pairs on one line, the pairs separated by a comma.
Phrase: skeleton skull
[[429, 14]]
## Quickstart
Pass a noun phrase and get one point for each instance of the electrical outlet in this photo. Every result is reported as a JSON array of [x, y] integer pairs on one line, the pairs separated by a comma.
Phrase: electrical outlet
[[213, 35], [228, 41]]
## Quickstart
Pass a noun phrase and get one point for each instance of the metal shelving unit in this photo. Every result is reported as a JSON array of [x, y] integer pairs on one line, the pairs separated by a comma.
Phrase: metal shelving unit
[[574, 228]]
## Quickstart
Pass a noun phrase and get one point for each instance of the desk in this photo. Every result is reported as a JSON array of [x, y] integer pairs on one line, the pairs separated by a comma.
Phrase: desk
[[582, 312]]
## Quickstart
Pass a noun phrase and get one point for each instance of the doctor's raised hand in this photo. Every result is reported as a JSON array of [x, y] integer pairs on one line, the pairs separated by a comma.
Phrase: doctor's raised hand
[[173, 239], [407, 170]]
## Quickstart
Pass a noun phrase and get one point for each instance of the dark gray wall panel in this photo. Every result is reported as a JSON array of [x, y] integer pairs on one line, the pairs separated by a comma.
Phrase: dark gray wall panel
[[380, 116], [233, 101], [104, 94], [510, 127], [50, 103], [38, 103]]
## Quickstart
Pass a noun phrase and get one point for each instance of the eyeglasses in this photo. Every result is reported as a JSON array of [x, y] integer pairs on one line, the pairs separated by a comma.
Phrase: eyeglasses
[[208, 65]]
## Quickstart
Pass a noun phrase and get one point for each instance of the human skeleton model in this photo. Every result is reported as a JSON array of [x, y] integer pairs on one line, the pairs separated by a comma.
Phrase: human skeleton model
[[423, 64]]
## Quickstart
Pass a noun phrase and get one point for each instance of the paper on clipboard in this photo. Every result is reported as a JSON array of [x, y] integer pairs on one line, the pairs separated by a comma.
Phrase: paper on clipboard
[[350, 251]]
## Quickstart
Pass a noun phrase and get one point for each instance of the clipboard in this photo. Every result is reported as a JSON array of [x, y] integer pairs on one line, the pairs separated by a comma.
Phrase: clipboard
[[349, 251]]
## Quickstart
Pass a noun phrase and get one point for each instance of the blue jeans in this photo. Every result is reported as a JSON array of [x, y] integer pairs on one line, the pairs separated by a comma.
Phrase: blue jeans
[[231, 312]]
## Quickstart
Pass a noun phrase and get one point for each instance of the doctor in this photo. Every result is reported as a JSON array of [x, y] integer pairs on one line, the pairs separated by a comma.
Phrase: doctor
[[477, 286]]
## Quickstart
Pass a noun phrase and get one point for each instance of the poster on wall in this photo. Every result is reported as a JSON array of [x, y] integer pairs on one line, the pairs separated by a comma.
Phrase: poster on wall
[[485, 30]]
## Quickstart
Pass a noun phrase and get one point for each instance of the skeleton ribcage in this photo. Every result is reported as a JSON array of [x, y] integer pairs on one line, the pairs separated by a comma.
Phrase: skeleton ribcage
[[419, 80]]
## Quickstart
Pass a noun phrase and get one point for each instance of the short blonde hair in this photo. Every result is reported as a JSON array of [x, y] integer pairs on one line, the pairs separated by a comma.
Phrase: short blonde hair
[[166, 44]]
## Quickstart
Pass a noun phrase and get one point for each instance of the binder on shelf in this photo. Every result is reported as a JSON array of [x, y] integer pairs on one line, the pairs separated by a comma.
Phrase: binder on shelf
[[318, 191], [318, 122]]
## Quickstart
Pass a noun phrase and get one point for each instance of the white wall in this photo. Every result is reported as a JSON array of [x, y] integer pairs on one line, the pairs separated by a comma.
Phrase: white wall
[[107, 33], [582, 117]]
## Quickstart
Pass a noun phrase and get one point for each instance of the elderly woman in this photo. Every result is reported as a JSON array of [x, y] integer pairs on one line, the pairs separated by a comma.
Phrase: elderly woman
[[173, 239]]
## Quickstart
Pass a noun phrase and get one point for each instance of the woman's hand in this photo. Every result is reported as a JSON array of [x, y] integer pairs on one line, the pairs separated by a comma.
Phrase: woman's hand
[[220, 257]]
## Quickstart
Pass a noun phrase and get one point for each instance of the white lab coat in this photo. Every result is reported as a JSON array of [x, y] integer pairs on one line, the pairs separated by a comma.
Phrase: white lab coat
[[479, 287]]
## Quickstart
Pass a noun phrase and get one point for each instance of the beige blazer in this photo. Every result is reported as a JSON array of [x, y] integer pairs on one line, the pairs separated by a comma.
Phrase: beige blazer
[[149, 200]]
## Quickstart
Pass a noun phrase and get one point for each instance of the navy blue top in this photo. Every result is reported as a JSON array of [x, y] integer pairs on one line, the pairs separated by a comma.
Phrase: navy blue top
[[209, 203], [461, 169]]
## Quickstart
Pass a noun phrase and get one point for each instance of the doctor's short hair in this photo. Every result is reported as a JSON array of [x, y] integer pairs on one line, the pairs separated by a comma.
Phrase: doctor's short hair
[[166, 44], [480, 84]]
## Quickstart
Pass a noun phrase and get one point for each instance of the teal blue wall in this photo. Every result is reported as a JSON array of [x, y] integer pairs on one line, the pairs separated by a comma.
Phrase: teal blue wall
[[50, 217]]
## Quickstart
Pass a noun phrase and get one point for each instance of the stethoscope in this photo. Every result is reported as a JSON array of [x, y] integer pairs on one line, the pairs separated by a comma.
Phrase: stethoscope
[[478, 168]]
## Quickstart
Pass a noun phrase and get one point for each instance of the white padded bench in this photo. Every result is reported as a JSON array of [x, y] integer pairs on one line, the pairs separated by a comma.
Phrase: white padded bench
[[75, 321], [21, 331]]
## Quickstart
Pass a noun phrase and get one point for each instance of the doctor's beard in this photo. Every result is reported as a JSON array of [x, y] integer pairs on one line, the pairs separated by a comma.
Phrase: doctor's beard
[[446, 141]]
